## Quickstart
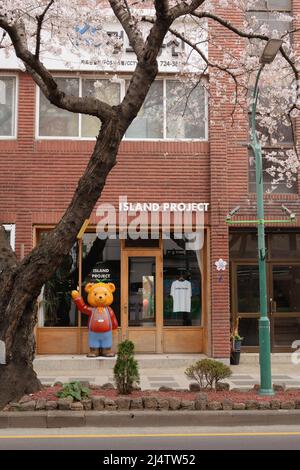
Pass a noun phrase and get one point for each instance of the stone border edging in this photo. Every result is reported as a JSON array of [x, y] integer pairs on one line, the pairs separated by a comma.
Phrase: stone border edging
[[101, 419]]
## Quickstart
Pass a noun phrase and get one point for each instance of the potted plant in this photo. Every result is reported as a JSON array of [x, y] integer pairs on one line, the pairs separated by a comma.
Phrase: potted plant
[[236, 342]]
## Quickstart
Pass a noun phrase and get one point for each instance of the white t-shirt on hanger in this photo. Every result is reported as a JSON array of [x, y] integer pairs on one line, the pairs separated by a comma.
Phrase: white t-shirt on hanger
[[181, 291]]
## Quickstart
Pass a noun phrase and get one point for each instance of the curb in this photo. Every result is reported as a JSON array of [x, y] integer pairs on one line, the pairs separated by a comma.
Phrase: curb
[[64, 419]]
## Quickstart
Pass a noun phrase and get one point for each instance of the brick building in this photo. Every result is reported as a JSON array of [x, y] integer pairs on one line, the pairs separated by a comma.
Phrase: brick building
[[43, 152]]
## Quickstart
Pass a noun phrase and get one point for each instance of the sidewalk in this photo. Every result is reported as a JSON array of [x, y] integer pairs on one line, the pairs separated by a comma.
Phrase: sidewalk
[[160, 370]]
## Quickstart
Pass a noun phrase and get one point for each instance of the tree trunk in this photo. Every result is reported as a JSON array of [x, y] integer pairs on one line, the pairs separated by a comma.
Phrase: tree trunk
[[17, 378]]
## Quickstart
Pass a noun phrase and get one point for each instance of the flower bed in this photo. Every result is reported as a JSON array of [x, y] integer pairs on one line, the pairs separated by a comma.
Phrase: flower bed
[[107, 398]]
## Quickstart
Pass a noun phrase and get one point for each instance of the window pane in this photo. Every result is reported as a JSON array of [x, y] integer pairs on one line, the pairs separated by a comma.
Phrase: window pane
[[243, 245], [278, 5], [286, 280], [149, 122], [247, 289], [286, 331], [141, 290], [248, 330], [56, 306], [105, 91], [101, 262], [271, 20], [285, 245], [185, 111], [182, 284], [58, 122], [7, 105], [278, 176]]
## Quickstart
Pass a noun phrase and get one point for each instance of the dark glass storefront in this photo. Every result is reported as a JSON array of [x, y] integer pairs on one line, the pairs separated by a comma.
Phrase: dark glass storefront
[[283, 284]]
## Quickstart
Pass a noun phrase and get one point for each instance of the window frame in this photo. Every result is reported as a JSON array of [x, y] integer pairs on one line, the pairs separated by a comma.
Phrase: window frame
[[14, 135], [122, 94], [11, 228]]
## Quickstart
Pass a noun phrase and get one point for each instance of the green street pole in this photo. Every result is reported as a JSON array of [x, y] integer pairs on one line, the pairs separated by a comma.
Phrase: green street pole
[[266, 387]]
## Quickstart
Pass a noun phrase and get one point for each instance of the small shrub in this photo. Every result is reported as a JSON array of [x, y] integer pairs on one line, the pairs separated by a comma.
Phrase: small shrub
[[208, 372], [75, 390], [126, 372]]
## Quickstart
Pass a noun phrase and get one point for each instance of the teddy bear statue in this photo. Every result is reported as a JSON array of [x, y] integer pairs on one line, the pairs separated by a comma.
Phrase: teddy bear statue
[[102, 319]]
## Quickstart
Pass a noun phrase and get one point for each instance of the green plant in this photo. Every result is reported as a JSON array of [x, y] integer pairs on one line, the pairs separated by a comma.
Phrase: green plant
[[75, 390], [126, 371], [208, 372]]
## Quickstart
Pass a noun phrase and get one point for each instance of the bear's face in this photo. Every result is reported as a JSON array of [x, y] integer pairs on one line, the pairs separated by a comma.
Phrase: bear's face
[[100, 294]]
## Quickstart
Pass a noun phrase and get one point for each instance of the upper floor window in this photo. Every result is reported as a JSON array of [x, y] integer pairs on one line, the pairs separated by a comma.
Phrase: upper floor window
[[7, 106], [10, 230], [170, 111], [274, 14]]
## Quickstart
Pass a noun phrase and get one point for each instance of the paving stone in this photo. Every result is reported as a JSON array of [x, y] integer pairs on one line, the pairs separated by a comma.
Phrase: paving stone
[[251, 405], [163, 403], [239, 406], [87, 404], [98, 403], [123, 403], [110, 405], [187, 405], [150, 403], [64, 403], [201, 401], [76, 406], [275, 404], [40, 404], [227, 404], [136, 404], [214, 405], [288, 405], [264, 405], [27, 406], [51, 405], [174, 403]]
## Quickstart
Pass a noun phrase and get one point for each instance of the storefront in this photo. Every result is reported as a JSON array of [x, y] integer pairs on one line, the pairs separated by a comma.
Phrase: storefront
[[283, 284], [160, 300]]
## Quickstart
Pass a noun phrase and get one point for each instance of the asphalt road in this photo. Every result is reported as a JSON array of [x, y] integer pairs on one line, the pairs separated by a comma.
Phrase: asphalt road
[[254, 438]]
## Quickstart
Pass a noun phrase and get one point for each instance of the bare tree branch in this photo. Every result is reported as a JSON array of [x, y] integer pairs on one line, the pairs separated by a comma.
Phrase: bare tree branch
[[8, 259], [47, 83], [161, 8], [123, 14], [40, 19], [184, 8]]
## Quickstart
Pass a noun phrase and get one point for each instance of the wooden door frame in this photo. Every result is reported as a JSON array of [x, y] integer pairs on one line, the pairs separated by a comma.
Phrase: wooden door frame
[[273, 316], [156, 253]]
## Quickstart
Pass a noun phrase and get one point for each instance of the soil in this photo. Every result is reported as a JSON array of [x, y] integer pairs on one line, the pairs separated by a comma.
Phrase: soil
[[238, 397]]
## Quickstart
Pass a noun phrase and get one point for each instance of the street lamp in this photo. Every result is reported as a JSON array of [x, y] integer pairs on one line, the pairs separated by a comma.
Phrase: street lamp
[[266, 387]]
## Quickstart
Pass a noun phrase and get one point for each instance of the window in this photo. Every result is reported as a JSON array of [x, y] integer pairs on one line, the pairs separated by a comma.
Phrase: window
[[182, 274], [55, 121], [279, 174], [271, 13], [10, 230], [172, 110], [7, 106], [104, 90], [149, 122], [185, 116]]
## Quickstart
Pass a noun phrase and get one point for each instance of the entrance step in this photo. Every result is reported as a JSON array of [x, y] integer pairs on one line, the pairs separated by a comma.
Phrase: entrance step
[[276, 358], [146, 361]]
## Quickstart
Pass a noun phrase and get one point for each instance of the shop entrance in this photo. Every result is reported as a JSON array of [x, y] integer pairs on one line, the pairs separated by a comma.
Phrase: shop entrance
[[160, 298], [283, 287], [141, 296]]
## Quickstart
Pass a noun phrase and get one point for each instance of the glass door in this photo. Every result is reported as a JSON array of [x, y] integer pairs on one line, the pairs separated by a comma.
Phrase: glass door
[[285, 305], [141, 298], [141, 291]]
